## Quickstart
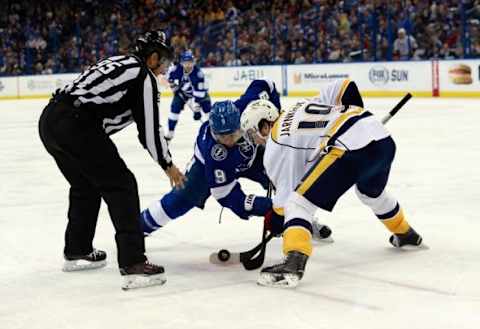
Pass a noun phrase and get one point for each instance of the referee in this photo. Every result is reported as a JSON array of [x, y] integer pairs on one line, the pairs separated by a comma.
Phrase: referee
[[75, 127]]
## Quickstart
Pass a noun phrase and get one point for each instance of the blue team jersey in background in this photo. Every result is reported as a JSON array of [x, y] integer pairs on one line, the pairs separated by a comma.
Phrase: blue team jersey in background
[[259, 89], [190, 85]]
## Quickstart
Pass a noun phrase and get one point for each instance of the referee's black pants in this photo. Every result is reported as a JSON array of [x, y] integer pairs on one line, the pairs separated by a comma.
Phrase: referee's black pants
[[90, 162]]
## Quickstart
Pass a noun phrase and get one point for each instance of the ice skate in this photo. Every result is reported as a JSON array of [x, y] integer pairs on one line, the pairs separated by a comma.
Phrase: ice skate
[[93, 260], [321, 232], [142, 275], [409, 239], [286, 274]]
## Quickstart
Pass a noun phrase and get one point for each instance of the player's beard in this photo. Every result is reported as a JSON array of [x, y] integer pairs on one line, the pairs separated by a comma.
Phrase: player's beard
[[255, 137]]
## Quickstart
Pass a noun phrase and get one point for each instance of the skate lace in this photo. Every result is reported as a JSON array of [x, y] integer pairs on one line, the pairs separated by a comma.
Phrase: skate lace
[[282, 263], [94, 254], [150, 265]]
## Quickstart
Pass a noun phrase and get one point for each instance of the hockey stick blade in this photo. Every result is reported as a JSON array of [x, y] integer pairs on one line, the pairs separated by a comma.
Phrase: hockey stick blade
[[251, 263], [396, 108], [246, 258]]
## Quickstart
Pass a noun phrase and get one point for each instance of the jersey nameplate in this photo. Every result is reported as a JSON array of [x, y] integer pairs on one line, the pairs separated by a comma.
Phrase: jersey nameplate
[[288, 119]]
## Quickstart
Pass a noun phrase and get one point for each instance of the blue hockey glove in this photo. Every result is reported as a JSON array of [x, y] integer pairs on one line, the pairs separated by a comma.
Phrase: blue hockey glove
[[257, 205]]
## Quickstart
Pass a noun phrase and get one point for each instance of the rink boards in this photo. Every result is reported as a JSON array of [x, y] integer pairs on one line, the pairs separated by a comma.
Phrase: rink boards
[[459, 78]]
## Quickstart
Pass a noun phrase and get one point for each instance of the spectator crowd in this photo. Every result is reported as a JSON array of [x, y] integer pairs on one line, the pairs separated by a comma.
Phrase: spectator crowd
[[57, 36]]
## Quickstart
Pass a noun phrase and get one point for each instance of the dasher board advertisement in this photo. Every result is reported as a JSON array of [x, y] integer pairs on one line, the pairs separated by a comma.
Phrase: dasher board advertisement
[[459, 78], [373, 79]]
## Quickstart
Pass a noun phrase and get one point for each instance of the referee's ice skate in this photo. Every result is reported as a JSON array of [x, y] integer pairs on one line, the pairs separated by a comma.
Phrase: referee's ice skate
[[142, 275], [93, 260]]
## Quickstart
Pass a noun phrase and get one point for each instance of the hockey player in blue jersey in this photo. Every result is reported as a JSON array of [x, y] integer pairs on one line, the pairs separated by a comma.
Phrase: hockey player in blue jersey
[[187, 82], [221, 156]]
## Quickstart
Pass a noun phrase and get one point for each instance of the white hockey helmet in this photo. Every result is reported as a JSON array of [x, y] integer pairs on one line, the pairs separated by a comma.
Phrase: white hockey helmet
[[257, 111]]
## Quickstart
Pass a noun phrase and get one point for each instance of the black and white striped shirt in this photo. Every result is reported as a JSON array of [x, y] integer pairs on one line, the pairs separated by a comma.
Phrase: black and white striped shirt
[[121, 89]]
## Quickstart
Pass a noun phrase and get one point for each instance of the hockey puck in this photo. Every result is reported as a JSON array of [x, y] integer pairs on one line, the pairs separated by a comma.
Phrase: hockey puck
[[223, 255]]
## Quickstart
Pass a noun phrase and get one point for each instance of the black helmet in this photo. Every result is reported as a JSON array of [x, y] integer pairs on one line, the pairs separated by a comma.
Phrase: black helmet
[[153, 41]]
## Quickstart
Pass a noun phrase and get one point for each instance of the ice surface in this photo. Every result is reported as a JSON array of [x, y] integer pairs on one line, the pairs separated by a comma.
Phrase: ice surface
[[357, 282]]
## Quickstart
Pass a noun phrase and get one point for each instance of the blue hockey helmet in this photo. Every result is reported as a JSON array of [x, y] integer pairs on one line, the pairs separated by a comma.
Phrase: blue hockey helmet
[[186, 56], [224, 118]]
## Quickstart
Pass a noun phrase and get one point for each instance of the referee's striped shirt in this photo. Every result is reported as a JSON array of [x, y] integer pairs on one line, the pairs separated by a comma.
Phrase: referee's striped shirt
[[121, 89]]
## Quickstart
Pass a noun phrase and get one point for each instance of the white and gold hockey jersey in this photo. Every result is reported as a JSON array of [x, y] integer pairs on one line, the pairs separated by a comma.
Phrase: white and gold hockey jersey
[[307, 129]]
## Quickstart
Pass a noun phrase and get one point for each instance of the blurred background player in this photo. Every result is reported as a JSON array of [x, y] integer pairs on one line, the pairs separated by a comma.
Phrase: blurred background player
[[188, 85], [327, 144], [75, 127], [221, 156]]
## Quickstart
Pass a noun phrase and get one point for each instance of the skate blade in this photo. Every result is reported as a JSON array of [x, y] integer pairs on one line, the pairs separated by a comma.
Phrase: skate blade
[[411, 247], [233, 260], [278, 281], [137, 281], [82, 265], [323, 240], [421, 246]]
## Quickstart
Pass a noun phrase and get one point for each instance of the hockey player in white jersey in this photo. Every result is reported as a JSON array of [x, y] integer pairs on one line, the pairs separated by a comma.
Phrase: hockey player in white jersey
[[315, 151]]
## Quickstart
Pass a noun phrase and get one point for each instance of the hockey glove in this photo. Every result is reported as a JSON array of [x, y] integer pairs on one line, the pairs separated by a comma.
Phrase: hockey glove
[[257, 205], [274, 222], [174, 85]]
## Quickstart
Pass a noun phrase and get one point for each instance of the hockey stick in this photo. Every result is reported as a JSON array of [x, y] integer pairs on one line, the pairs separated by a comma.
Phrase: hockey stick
[[224, 257], [397, 108], [384, 120], [246, 258]]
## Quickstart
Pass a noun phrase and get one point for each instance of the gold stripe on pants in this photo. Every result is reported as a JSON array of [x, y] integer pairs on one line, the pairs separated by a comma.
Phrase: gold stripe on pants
[[319, 169]]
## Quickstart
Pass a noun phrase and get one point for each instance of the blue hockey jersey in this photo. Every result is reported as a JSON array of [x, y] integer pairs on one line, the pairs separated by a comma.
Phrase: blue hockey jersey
[[259, 89], [188, 85], [223, 166]]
